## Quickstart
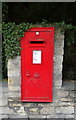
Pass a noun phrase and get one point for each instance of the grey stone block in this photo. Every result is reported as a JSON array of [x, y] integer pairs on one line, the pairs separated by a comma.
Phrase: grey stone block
[[14, 63], [70, 117], [57, 72], [58, 34], [60, 117], [14, 94], [59, 50], [58, 69], [61, 93], [37, 117], [6, 110], [58, 59], [4, 90], [14, 81], [47, 110], [14, 88], [19, 118], [2, 117], [14, 77], [4, 101], [14, 71], [65, 110], [64, 104], [57, 83], [59, 46], [53, 118], [59, 42], [43, 105], [57, 76], [5, 94]]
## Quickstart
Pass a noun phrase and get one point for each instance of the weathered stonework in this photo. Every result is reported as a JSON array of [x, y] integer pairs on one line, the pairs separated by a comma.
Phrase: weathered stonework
[[62, 105]]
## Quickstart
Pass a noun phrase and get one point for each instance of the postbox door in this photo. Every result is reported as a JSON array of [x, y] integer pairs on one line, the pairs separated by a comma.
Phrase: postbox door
[[37, 66]]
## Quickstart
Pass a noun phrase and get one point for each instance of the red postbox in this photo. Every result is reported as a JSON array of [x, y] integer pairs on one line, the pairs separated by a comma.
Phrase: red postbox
[[37, 64]]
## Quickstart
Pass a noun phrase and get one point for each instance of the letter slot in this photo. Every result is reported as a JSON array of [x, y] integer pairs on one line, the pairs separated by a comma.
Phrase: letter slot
[[38, 42]]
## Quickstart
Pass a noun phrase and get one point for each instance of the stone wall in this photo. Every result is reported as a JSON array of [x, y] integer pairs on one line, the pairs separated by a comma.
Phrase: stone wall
[[62, 105]]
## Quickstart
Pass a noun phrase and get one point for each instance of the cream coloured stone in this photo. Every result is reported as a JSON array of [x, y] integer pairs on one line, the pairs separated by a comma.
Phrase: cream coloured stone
[[66, 99], [33, 110], [47, 110]]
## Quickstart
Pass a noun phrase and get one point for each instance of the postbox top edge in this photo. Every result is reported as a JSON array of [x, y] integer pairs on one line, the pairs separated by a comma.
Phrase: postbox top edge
[[40, 29]]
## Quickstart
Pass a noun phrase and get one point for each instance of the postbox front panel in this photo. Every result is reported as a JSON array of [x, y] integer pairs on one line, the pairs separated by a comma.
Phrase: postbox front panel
[[37, 65]]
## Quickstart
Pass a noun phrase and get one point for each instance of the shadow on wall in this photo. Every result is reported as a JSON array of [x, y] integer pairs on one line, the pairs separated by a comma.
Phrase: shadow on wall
[[69, 62]]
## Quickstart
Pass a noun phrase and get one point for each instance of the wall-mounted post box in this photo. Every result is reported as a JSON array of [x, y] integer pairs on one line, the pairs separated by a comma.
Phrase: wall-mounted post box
[[37, 64]]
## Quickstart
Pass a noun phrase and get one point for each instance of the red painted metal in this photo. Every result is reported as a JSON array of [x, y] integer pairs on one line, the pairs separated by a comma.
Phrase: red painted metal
[[36, 78]]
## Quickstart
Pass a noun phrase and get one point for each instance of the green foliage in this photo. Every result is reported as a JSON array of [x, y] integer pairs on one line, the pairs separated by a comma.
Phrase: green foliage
[[12, 34]]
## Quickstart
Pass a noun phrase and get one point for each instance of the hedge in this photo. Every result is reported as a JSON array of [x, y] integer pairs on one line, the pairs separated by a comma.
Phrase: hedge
[[12, 34]]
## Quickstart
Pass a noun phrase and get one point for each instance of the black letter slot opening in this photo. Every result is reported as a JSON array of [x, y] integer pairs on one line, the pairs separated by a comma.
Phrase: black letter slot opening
[[36, 42]]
